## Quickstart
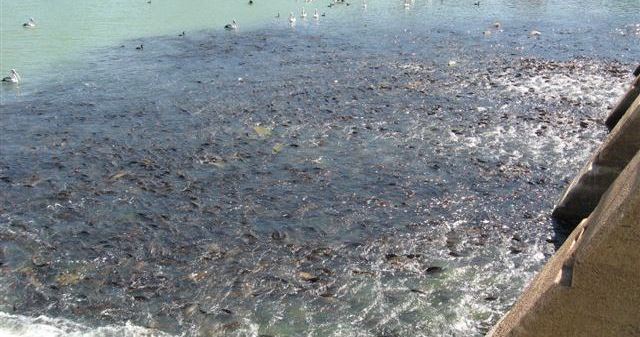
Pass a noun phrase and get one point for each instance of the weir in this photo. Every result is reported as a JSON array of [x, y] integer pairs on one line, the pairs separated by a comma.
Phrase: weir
[[590, 286]]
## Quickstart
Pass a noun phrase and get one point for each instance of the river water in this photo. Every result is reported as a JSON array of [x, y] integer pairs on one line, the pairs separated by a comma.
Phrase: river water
[[381, 171]]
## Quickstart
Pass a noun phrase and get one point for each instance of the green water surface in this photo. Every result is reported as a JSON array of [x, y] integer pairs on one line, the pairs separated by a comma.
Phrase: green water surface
[[67, 29]]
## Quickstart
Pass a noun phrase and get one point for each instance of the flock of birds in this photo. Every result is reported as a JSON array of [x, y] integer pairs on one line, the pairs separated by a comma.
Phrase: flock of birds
[[15, 78], [292, 18]]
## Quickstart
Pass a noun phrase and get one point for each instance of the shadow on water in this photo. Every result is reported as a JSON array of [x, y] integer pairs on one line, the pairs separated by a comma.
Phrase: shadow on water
[[561, 231], [288, 183]]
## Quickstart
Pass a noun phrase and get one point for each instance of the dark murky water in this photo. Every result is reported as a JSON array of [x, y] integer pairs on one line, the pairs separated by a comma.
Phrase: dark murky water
[[301, 182]]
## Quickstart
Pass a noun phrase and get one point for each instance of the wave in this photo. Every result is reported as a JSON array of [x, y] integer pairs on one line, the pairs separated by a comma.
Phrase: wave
[[43, 326]]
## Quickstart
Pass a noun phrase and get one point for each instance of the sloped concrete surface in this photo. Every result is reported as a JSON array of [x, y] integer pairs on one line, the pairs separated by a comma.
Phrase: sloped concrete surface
[[584, 193], [625, 102]]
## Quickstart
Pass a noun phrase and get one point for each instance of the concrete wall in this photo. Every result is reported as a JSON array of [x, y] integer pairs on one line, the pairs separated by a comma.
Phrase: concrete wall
[[624, 103], [591, 286], [584, 193]]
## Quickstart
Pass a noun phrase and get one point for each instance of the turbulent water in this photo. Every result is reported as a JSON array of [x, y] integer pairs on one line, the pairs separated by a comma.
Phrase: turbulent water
[[319, 180]]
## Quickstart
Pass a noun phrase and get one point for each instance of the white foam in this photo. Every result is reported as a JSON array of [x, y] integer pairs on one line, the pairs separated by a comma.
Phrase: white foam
[[578, 83], [43, 326]]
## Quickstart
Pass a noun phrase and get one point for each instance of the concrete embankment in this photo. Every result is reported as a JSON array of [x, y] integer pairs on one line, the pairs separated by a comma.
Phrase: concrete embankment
[[624, 103], [594, 179], [591, 286]]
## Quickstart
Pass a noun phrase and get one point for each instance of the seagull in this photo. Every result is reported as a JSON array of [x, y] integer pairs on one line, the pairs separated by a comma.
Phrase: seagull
[[497, 24], [13, 77], [29, 24], [535, 33], [292, 19], [407, 3], [231, 26], [303, 14], [316, 15]]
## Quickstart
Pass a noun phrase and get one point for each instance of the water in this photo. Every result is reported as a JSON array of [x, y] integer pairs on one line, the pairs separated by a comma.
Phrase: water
[[336, 178], [69, 30]]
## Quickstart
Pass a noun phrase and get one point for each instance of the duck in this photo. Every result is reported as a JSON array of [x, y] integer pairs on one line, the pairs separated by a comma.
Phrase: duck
[[140, 47], [316, 15], [13, 77], [29, 24], [303, 14], [292, 19], [250, 2], [231, 26]]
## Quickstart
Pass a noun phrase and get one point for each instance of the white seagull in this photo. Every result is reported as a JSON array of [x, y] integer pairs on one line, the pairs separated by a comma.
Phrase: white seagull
[[231, 26], [13, 77], [292, 19], [316, 15], [29, 24], [303, 14]]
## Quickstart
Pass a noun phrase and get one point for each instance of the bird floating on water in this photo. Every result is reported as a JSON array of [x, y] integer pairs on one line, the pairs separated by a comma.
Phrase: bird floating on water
[[231, 26], [140, 47], [30, 23], [477, 3], [13, 77], [497, 24], [250, 2], [303, 14], [535, 33], [182, 34], [316, 15], [292, 19]]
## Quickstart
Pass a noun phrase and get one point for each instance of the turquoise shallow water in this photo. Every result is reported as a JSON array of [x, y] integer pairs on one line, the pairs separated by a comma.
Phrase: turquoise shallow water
[[69, 30], [386, 171]]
